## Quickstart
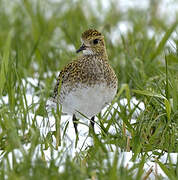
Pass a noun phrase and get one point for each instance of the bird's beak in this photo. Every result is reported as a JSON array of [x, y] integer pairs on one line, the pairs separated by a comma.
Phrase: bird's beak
[[82, 47]]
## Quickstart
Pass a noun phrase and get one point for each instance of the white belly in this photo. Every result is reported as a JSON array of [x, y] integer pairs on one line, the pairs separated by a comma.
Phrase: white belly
[[88, 100]]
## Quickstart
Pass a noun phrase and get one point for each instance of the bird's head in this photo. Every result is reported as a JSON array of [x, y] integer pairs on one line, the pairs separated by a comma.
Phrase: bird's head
[[92, 43]]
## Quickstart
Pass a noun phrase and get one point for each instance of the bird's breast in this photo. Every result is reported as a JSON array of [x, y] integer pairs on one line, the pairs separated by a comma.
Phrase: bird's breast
[[88, 100]]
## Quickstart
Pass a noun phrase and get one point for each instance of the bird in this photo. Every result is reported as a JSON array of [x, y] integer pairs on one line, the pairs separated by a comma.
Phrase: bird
[[88, 83]]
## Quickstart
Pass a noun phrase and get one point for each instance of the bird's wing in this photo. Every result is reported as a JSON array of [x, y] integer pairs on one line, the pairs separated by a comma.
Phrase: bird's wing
[[63, 76]]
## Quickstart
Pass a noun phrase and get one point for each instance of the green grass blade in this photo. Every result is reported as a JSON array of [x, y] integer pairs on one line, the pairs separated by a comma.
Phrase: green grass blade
[[167, 171], [4, 65], [164, 40], [148, 93], [156, 95]]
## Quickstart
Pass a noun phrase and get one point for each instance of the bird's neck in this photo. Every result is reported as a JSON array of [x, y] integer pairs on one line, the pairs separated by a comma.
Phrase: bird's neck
[[98, 55]]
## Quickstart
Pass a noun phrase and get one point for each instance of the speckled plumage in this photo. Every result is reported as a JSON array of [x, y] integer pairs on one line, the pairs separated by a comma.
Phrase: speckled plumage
[[87, 70], [89, 73]]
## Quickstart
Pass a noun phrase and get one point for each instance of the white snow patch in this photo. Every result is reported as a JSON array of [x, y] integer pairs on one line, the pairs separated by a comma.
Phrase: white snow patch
[[67, 147]]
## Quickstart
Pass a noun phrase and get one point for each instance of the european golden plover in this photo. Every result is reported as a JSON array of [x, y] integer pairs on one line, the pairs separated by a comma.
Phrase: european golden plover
[[87, 84]]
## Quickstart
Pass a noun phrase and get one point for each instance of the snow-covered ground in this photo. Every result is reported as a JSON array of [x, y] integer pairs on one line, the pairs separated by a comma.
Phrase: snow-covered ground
[[68, 141]]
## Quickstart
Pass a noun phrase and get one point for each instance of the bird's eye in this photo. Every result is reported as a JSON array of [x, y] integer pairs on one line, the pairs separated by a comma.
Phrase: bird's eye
[[95, 41]]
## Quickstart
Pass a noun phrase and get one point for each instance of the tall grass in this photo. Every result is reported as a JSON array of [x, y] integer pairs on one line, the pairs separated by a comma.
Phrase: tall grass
[[37, 39]]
